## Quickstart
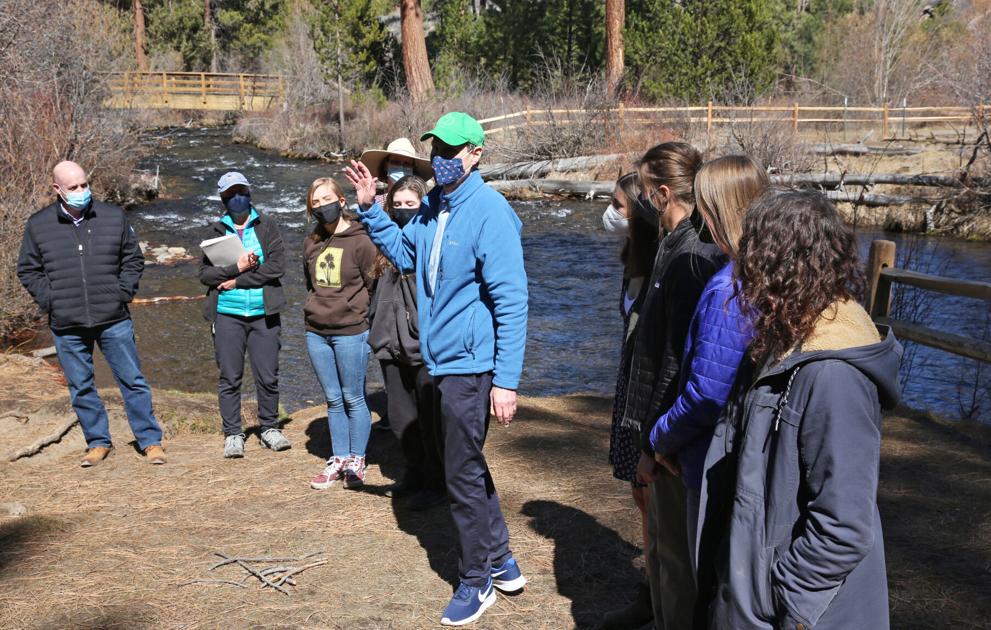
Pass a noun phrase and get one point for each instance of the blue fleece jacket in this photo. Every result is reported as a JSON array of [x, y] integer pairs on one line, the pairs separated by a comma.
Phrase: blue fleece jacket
[[475, 321], [717, 340]]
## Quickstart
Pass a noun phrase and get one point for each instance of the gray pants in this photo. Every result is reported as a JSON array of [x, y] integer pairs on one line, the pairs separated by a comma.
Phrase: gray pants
[[233, 335], [672, 580]]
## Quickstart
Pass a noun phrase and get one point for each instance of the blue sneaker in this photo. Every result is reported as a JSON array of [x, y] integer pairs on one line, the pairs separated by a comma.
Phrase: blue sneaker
[[507, 576], [468, 604]]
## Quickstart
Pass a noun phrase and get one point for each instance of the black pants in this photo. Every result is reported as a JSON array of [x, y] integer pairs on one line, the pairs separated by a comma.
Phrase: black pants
[[233, 335], [410, 400], [463, 403]]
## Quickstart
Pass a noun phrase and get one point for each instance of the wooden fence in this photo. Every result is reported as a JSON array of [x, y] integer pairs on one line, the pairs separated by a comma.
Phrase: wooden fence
[[882, 274], [891, 121], [195, 90]]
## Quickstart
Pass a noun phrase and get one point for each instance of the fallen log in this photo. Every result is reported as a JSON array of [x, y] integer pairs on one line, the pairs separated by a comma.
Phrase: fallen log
[[37, 446], [872, 199], [593, 189], [833, 178], [858, 149], [539, 168], [163, 299], [587, 189]]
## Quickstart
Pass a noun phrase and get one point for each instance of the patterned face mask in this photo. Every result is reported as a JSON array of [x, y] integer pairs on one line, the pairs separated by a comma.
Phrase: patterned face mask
[[447, 171]]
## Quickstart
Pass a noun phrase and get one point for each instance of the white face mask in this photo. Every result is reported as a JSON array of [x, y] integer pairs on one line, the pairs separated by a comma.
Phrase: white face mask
[[614, 222]]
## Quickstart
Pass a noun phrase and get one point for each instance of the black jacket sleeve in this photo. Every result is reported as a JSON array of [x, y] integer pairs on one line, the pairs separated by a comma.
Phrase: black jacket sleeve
[[132, 262], [275, 260], [31, 271], [212, 276], [682, 286]]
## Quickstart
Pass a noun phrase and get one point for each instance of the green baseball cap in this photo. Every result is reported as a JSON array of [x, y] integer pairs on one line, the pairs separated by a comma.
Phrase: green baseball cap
[[457, 128]]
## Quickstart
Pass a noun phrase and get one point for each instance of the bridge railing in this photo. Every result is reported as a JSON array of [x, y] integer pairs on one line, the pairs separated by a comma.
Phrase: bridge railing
[[882, 274], [195, 90]]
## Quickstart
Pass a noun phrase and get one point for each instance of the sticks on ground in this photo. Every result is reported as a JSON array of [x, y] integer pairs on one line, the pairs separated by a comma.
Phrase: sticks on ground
[[35, 448], [275, 577]]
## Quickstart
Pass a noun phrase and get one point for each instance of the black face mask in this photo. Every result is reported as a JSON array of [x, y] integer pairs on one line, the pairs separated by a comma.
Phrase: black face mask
[[328, 213], [646, 210], [402, 216]]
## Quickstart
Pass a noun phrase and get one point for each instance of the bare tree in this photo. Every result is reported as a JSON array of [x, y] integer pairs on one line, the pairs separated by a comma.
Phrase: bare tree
[[615, 17], [419, 81], [139, 35], [885, 54]]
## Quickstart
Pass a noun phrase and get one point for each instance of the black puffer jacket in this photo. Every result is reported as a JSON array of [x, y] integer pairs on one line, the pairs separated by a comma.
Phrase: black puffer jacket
[[681, 270], [85, 275]]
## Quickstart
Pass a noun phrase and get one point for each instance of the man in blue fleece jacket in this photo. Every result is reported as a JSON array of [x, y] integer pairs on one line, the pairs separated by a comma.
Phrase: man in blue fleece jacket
[[464, 247]]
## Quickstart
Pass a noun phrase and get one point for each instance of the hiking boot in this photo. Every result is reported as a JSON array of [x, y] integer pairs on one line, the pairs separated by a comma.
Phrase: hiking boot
[[95, 455], [507, 576], [468, 604], [425, 499], [330, 474], [636, 614], [273, 439], [354, 472], [234, 446], [155, 454]]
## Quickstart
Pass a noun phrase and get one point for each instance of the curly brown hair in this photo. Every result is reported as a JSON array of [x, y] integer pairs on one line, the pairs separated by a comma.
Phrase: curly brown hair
[[797, 257]]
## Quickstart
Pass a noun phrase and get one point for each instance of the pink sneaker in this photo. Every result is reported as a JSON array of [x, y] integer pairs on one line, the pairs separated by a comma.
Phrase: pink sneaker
[[354, 472], [330, 474]]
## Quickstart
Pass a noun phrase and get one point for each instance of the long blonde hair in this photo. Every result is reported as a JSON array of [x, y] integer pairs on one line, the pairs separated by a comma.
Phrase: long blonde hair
[[724, 189]]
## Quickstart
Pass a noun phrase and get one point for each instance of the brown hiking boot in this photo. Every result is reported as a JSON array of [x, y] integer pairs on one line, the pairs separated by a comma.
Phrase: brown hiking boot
[[155, 454], [94, 456]]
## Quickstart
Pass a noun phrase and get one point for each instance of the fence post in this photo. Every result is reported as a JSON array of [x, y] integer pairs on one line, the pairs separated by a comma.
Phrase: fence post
[[622, 121], [203, 86], [884, 122], [708, 118], [794, 118], [904, 106], [165, 88], [878, 295]]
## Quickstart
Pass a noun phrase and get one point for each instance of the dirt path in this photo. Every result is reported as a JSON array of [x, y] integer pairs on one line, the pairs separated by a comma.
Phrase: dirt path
[[109, 547]]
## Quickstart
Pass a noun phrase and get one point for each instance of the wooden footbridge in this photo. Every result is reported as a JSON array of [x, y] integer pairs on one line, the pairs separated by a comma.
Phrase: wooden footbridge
[[195, 90]]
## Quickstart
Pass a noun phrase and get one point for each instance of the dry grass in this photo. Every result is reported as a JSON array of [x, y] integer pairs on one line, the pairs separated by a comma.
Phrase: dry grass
[[109, 547]]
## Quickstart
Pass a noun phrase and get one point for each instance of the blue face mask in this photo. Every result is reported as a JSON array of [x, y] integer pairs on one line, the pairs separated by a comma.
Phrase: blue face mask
[[447, 171], [396, 173], [78, 200], [238, 205]]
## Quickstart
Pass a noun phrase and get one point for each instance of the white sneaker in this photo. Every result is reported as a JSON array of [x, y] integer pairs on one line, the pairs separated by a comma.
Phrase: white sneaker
[[234, 446], [274, 439]]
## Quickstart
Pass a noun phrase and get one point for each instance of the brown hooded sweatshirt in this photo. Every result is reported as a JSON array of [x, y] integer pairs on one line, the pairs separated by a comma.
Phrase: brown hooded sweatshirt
[[337, 269]]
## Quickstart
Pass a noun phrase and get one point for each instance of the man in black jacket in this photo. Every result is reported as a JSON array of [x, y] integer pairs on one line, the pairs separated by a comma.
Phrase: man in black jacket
[[81, 262]]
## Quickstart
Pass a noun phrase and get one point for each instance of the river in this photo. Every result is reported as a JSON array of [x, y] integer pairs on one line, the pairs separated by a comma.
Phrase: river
[[572, 265]]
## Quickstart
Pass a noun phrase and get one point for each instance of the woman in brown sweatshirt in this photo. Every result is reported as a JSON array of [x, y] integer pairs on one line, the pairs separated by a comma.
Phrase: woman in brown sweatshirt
[[337, 261]]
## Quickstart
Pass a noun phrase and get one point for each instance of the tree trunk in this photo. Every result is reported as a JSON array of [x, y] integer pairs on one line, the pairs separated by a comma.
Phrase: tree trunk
[[211, 30], [415, 62], [139, 36], [615, 18]]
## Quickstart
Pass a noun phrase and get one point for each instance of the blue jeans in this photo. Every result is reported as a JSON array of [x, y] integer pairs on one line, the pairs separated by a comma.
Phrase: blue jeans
[[116, 341], [340, 362]]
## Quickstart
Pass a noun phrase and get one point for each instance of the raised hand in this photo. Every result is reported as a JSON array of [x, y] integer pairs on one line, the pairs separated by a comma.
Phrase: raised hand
[[363, 182]]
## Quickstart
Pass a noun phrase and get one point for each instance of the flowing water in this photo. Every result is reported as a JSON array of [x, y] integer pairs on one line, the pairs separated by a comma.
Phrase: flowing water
[[572, 265]]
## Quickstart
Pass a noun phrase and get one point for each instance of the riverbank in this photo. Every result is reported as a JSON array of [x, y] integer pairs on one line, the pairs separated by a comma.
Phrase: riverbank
[[112, 546]]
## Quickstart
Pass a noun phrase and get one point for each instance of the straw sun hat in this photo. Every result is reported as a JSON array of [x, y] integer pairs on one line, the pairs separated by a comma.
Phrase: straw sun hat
[[375, 158]]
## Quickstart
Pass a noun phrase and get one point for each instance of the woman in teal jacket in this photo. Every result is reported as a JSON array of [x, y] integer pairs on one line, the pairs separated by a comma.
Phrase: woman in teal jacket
[[243, 302]]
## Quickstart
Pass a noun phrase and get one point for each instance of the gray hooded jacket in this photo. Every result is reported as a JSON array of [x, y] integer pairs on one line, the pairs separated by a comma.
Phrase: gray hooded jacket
[[801, 546]]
